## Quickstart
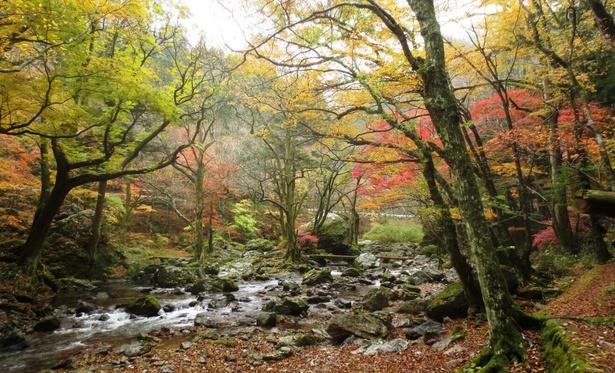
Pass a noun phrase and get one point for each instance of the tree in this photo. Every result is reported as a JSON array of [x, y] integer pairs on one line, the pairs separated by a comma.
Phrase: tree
[[433, 85], [117, 102]]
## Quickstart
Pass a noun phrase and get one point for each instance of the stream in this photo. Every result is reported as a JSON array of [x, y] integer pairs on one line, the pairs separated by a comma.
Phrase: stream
[[79, 332]]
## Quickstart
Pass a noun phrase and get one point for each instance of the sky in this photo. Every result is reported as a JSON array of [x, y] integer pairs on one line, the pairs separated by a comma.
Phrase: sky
[[219, 25], [223, 27]]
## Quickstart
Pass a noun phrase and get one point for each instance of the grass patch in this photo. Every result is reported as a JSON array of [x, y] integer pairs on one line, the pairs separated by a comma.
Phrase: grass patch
[[395, 231]]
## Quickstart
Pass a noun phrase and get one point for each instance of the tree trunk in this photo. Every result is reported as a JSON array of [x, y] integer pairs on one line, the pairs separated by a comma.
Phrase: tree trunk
[[92, 244], [199, 209], [33, 247], [127, 210], [597, 202], [210, 229], [505, 342], [561, 218], [45, 172]]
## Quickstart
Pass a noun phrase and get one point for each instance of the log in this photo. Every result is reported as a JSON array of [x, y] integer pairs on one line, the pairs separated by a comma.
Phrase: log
[[595, 202]]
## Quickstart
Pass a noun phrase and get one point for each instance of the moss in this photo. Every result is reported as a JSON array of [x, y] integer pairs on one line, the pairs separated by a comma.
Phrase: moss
[[607, 321], [508, 347], [559, 354], [224, 342]]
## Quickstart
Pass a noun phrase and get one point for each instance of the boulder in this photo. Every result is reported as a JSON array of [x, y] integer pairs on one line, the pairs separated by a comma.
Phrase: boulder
[[333, 236], [451, 302], [342, 326], [287, 306], [171, 276], [413, 307], [380, 346], [225, 284], [266, 319], [366, 260], [147, 306], [429, 327], [259, 244], [11, 340], [134, 349], [85, 307], [221, 301], [47, 324], [289, 285], [315, 277], [351, 272], [203, 319], [376, 299]]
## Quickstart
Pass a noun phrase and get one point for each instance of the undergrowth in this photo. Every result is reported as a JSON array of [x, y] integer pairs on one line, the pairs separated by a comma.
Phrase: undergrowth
[[395, 231]]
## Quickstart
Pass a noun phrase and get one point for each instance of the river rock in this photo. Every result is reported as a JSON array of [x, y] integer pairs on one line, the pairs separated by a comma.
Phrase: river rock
[[343, 303], [351, 272], [225, 284], [47, 324], [380, 346], [221, 301], [413, 307], [428, 327], [85, 307], [279, 354], [147, 306], [366, 260], [11, 340], [259, 244], [287, 306], [266, 319], [290, 286], [376, 299], [315, 277], [333, 236], [342, 326], [134, 349], [451, 302], [203, 319], [171, 276]]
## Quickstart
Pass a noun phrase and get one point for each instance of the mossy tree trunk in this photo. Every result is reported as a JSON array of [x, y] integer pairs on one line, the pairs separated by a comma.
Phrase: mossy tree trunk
[[97, 222], [505, 342]]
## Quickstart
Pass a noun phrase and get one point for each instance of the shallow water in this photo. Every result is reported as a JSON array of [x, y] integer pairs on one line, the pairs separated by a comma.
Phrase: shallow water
[[77, 332]]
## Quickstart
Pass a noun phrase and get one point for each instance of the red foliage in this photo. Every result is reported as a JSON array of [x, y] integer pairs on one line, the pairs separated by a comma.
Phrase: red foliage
[[546, 238], [307, 241]]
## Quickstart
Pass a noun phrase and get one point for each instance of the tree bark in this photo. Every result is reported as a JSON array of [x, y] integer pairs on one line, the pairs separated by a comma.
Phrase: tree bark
[[92, 244], [596, 202], [33, 247], [505, 340]]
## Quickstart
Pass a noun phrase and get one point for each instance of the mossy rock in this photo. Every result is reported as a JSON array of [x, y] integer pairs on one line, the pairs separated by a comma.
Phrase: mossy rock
[[287, 306], [147, 306], [351, 272], [315, 277], [451, 302], [376, 299], [225, 284], [559, 354], [259, 244]]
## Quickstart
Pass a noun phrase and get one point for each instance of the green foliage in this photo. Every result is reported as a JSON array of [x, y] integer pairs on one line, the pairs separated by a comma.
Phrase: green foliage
[[556, 263], [136, 260], [114, 209], [243, 220], [395, 231]]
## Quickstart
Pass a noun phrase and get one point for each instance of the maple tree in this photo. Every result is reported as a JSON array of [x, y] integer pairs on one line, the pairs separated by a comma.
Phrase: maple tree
[[106, 99]]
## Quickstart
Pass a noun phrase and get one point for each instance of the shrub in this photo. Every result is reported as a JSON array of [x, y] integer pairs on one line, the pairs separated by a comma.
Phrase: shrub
[[307, 241], [395, 231]]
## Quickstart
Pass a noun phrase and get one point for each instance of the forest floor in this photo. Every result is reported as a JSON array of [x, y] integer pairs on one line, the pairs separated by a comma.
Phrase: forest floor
[[591, 295]]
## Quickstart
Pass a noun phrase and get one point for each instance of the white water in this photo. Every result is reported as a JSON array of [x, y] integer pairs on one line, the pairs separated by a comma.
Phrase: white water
[[78, 332]]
